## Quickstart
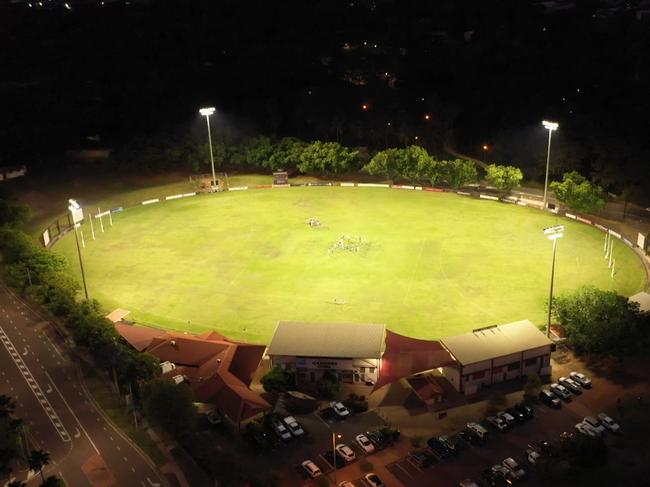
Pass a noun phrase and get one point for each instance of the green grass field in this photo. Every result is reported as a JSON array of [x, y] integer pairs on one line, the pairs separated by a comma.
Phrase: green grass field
[[435, 264]]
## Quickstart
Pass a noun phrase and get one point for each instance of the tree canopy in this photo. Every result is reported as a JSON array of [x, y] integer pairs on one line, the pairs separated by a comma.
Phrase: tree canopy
[[171, 405], [597, 321], [578, 194], [326, 158], [504, 178]]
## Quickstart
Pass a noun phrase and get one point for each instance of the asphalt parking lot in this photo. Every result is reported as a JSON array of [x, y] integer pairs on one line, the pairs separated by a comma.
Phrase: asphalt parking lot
[[547, 424]]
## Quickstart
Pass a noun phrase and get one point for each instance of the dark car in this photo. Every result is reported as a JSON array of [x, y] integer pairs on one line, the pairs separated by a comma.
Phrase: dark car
[[547, 448], [525, 409], [494, 479], [470, 437], [518, 415], [550, 399], [377, 439], [438, 447], [420, 459]]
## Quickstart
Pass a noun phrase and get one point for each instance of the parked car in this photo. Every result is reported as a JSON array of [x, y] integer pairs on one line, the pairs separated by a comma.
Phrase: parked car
[[364, 443], [548, 398], [561, 391], [502, 472], [570, 384], [519, 416], [532, 455], [311, 469], [498, 422], [609, 423], [438, 447], [346, 483], [467, 483], [373, 480], [478, 430], [586, 429], [595, 424], [525, 409], [281, 431], [293, 426], [492, 478], [420, 459], [340, 410], [470, 436], [547, 448], [581, 379], [377, 439], [507, 417], [451, 446], [345, 452], [516, 471]]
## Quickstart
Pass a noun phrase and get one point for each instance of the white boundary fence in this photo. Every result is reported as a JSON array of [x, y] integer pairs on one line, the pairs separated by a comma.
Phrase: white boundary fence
[[48, 239]]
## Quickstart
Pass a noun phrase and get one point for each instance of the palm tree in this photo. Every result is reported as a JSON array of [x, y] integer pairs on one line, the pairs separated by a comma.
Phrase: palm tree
[[37, 460]]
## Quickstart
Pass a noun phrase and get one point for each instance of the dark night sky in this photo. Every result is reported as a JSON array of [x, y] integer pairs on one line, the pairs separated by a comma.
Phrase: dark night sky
[[488, 73]]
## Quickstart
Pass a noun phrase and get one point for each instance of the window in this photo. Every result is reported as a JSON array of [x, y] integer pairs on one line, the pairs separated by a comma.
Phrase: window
[[531, 361], [497, 370], [362, 370], [371, 370], [514, 366], [478, 375]]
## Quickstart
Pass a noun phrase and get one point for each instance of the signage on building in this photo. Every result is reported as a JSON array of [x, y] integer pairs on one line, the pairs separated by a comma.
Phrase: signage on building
[[324, 363]]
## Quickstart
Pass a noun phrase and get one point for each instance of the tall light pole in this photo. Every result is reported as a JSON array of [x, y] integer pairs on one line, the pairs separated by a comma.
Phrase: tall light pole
[[550, 126], [206, 112], [77, 215], [552, 233], [334, 437]]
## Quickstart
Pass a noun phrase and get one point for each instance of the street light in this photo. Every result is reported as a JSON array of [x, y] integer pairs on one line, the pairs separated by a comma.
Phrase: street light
[[77, 215], [552, 233], [550, 126], [334, 437], [206, 112]]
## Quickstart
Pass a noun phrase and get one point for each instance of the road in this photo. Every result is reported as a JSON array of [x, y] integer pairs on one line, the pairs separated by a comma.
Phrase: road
[[85, 448]]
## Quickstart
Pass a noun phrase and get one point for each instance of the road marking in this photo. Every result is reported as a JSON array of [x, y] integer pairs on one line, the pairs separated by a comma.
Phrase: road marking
[[78, 433], [133, 469], [125, 459], [72, 412], [35, 388], [53, 346], [153, 484]]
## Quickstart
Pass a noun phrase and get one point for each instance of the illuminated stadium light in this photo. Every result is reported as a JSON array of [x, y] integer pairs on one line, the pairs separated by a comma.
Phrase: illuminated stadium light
[[552, 233], [550, 126], [206, 112]]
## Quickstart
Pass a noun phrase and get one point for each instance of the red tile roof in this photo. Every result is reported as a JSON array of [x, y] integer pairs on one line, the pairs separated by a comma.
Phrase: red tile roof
[[218, 370]]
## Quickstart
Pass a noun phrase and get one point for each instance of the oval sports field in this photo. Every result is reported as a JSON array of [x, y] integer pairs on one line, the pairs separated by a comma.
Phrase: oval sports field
[[426, 264]]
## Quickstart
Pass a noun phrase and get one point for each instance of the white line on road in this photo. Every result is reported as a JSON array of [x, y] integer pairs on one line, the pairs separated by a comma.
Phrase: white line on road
[[73, 414], [35, 388]]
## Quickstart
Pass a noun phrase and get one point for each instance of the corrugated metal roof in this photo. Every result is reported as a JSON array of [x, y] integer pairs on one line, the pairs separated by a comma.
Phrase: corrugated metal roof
[[497, 341], [336, 340]]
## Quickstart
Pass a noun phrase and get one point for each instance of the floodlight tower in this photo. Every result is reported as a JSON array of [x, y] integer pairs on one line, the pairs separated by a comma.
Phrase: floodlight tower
[[77, 215], [550, 126], [206, 112], [552, 233]]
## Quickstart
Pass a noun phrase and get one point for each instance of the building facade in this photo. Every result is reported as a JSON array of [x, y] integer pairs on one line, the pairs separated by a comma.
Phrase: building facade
[[496, 354], [349, 351]]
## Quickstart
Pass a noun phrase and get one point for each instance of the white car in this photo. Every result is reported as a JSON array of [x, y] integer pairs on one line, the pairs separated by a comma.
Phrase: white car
[[497, 422], [507, 417], [517, 472], [571, 384], [345, 453], [293, 426], [311, 469], [364, 443], [586, 429], [373, 480], [532, 455], [609, 423], [561, 391], [581, 379], [346, 483], [340, 410], [281, 431], [479, 430], [595, 424]]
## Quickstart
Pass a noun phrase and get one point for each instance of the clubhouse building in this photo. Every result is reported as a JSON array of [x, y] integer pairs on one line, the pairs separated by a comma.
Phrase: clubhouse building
[[498, 353], [372, 355]]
